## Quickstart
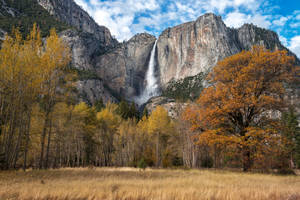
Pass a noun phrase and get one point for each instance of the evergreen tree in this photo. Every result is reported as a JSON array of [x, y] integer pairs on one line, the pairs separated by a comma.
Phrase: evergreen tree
[[292, 133], [99, 105], [123, 109]]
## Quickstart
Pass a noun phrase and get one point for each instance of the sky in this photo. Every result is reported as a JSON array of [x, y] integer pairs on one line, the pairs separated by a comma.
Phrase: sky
[[125, 18]]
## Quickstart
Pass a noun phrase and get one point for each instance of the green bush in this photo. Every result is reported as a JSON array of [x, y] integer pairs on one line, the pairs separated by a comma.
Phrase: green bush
[[142, 164], [185, 89]]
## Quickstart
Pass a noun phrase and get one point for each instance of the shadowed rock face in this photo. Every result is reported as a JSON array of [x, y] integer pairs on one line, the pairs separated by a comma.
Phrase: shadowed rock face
[[93, 90], [197, 46], [123, 69], [83, 47]]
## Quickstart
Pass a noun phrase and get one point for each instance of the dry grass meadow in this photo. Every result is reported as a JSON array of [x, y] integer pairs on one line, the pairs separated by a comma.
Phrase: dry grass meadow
[[152, 184]]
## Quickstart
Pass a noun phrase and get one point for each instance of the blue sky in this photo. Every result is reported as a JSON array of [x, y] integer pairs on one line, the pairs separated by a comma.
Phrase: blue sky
[[125, 18]]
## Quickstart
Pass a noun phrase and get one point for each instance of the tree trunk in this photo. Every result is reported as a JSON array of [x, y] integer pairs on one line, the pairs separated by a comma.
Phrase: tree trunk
[[26, 141], [48, 145], [12, 127], [246, 159], [157, 151], [17, 149], [43, 140]]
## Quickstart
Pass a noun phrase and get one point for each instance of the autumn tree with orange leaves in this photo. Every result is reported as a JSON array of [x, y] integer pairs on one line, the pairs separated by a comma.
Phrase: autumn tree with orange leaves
[[241, 103]]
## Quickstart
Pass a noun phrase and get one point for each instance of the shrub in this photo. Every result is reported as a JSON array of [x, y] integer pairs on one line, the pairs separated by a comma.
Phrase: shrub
[[142, 164]]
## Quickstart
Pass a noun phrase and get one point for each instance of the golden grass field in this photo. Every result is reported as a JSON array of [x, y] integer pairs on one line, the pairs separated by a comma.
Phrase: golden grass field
[[152, 184]]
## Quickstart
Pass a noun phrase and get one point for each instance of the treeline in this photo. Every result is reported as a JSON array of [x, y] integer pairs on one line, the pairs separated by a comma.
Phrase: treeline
[[31, 71], [242, 119], [42, 126], [88, 136]]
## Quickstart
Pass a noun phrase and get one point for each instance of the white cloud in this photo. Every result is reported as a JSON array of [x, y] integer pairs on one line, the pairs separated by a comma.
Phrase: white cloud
[[295, 25], [295, 45], [261, 20], [221, 6], [283, 40], [237, 19], [281, 21]]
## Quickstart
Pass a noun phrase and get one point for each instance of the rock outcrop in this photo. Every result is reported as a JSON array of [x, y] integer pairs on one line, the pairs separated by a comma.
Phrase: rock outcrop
[[6, 10], [84, 47], [87, 40], [174, 108], [123, 69], [69, 12], [197, 46], [93, 90]]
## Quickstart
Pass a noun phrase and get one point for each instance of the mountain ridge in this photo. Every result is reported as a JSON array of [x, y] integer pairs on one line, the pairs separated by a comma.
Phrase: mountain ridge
[[190, 48]]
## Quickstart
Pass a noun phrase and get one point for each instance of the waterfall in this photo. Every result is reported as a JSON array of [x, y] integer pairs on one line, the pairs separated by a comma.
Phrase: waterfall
[[152, 88]]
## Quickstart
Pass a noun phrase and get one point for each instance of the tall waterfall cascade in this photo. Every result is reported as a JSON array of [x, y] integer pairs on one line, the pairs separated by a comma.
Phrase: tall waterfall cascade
[[152, 87]]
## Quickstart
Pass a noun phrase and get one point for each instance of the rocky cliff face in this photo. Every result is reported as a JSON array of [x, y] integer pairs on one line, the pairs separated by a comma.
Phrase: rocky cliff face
[[92, 90], [174, 108], [124, 68], [69, 12], [6, 10], [121, 67], [87, 40], [83, 47], [195, 47]]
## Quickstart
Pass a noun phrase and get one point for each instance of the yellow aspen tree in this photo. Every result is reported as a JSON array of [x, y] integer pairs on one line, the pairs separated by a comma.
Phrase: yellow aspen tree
[[159, 125]]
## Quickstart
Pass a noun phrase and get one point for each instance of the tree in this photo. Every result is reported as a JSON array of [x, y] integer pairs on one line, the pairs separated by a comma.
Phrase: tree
[[159, 126], [99, 105], [108, 122], [244, 94], [291, 132], [145, 112], [126, 110], [297, 149], [55, 58], [123, 109]]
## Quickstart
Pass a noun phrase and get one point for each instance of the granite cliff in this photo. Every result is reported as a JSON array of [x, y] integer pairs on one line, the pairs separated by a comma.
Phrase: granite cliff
[[188, 49], [124, 68], [120, 67], [69, 12], [87, 40]]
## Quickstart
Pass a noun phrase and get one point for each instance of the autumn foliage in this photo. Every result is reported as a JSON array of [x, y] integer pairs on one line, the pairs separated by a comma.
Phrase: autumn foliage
[[240, 120], [239, 109], [30, 71]]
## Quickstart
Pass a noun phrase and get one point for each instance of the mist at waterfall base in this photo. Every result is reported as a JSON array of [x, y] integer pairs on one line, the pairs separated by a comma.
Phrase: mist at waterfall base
[[152, 87]]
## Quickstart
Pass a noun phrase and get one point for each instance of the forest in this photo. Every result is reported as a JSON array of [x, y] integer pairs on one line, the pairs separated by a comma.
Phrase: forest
[[243, 118]]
